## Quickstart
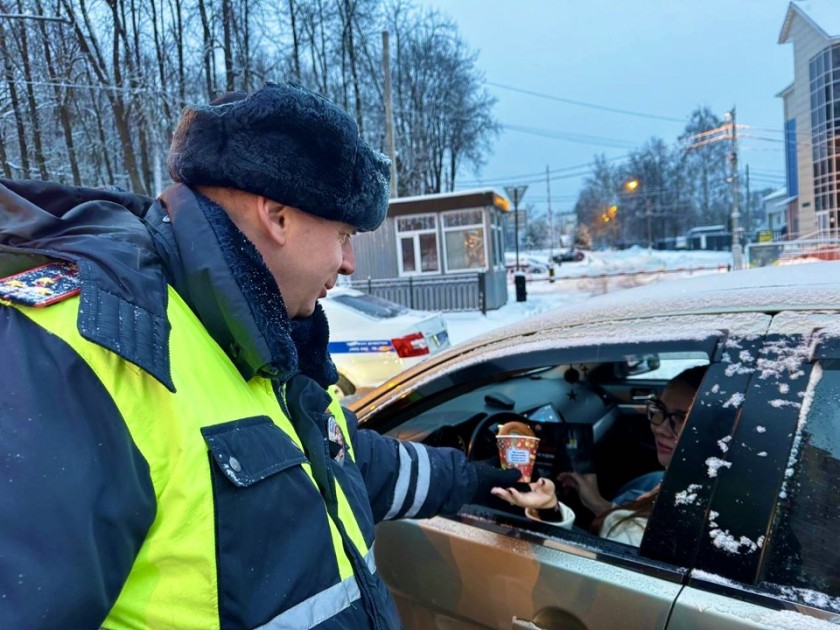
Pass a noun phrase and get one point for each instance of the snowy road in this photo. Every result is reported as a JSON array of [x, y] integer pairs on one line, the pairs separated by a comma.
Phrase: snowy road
[[600, 273]]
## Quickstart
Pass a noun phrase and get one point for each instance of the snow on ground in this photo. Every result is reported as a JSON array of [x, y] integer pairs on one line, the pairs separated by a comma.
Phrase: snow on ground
[[598, 273]]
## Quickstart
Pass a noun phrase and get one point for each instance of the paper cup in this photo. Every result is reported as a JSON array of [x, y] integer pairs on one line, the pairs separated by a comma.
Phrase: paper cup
[[568, 516], [518, 451]]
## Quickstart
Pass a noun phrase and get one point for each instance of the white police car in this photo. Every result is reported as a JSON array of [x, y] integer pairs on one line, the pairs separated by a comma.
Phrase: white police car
[[372, 339]]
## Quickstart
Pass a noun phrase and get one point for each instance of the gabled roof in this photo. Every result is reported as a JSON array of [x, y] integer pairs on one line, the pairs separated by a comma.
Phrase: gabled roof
[[776, 194], [821, 15]]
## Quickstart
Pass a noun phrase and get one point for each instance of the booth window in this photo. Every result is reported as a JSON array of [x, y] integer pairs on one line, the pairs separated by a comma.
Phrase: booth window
[[418, 243], [463, 235]]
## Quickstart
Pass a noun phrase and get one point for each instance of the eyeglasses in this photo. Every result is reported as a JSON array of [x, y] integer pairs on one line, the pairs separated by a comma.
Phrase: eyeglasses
[[657, 413]]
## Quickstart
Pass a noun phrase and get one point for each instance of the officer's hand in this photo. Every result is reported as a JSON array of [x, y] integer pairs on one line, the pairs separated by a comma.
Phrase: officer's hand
[[490, 477]]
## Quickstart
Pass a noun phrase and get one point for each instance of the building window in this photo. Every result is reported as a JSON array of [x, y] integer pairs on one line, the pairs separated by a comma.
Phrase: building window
[[463, 236], [824, 76], [791, 161], [418, 244]]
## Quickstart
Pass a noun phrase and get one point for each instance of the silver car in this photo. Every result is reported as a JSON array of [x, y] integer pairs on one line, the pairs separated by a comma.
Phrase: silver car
[[744, 531]]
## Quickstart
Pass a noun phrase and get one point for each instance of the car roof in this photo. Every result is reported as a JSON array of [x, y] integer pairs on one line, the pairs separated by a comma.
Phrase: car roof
[[803, 287], [813, 286], [690, 308], [339, 290]]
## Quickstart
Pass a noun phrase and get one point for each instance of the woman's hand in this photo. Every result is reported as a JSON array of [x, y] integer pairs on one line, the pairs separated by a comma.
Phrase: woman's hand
[[541, 496], [587, 488]]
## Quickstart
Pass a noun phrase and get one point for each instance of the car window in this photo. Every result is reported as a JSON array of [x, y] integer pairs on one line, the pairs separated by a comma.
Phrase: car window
[[803, 557], [589, 415], [371, 305]]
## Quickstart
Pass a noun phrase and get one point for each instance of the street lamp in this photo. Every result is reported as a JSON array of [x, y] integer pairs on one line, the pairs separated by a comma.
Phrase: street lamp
[[631, 186]]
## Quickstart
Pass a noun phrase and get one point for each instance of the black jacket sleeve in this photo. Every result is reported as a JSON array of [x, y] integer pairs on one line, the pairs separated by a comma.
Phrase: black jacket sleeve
[[77, 499], [410, 480]]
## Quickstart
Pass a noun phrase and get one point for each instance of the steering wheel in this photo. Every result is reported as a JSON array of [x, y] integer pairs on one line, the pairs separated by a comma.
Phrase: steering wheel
[[483, 438]]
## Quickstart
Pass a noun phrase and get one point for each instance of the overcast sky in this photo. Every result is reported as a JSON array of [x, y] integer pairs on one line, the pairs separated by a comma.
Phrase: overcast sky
[[659, 59]]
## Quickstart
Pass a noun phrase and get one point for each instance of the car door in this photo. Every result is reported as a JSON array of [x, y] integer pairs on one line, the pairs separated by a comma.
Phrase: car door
[[489, 570], [768, 555]]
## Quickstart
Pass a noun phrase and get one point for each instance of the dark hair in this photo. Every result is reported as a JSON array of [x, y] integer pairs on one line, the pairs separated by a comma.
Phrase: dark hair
[[692, 377], [643, 506]]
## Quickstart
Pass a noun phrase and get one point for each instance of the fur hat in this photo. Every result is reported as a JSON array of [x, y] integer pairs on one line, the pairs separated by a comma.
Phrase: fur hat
[[288, 144]]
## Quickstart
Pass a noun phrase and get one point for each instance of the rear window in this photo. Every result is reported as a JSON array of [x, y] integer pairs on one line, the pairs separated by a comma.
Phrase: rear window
[[371, 305]]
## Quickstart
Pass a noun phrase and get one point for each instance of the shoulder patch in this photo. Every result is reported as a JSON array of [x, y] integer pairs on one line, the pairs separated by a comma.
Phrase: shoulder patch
[[41, 286]]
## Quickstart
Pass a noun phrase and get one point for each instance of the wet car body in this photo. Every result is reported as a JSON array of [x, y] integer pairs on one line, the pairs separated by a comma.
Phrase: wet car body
[[740, 536]]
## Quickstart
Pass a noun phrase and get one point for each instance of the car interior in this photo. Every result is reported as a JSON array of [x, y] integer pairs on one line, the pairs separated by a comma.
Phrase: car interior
[[590, 418]]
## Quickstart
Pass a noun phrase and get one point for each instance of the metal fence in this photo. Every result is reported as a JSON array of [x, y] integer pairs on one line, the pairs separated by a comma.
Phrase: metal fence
[[466, 292], [779, 252]]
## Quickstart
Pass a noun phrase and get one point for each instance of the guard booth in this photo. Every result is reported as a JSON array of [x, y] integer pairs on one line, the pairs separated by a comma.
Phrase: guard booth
[[710, 237], [442, 252]]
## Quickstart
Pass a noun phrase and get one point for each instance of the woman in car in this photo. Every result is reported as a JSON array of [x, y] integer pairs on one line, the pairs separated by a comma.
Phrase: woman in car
[[625, 517]]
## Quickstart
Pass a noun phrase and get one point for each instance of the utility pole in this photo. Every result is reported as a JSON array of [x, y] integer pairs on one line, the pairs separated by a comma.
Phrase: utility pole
[[389, 113], [516, 193], [550, 221], [749, 228], [737, 261]]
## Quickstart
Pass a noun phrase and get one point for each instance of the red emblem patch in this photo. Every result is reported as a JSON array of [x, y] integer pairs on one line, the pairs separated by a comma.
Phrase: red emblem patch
[[41, 286]]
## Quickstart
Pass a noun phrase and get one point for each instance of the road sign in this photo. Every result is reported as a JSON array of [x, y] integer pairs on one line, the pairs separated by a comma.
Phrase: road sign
[[516, 193]]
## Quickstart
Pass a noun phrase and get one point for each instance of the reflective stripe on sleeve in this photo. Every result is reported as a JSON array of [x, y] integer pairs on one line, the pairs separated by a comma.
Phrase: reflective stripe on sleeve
[[401, 487], [421, 489], [325, 605]]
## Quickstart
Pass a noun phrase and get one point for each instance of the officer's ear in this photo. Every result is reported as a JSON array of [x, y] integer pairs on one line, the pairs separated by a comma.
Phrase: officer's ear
[[274, 219]]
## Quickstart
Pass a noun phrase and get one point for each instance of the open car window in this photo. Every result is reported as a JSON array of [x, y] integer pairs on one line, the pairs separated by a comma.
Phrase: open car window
[[590, 417], [583, 391]]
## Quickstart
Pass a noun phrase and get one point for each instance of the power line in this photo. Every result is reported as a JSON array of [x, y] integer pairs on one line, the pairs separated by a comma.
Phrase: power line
[[42, 18], [569, 101], [573, 137], [94, 86], [581, 170]]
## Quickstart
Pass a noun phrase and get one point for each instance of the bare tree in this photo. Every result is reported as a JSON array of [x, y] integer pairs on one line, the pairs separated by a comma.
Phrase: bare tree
[[14, 99], [295, 40], [207, 50], [706, 165], [29, 80], [443, 114], [55, 77], [94, 99]]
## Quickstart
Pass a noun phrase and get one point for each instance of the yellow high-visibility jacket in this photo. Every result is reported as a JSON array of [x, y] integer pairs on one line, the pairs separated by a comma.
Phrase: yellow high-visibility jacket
[[171, 458]]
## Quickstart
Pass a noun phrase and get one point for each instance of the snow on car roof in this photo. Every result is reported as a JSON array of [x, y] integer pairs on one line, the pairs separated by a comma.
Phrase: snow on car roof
[[815, 286], [811, 287]]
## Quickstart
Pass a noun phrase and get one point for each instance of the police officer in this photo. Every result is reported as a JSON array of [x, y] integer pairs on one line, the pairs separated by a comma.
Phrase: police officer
[[171, 457]]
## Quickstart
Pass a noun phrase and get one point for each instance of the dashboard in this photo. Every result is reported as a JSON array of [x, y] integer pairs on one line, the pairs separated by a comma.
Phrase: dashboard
[[569, 416]]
